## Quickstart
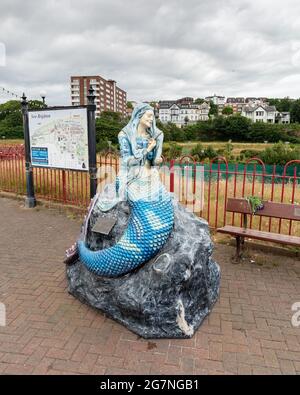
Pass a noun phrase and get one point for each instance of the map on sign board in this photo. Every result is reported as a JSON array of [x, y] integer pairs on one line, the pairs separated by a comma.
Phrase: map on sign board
[[59, 138]]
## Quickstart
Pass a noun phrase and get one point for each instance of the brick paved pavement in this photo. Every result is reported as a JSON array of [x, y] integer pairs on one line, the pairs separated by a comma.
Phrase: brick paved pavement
[[49, 332]]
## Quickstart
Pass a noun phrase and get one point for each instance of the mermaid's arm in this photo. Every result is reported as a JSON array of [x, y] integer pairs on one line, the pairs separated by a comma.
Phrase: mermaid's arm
[[158, 148]]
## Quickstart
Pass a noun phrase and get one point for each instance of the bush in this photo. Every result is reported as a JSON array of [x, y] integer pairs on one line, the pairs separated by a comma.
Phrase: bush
[[198, 152], [172, 151], [210, 152], [279, 154], [249, 153], [103, 146], [260, 132], [172, 132]]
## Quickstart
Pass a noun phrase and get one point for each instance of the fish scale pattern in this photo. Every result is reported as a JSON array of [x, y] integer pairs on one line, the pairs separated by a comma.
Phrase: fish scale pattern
[[149, 226]]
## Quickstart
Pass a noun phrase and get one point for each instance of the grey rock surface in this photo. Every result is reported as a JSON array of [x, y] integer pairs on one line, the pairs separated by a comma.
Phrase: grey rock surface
[[167, 297]]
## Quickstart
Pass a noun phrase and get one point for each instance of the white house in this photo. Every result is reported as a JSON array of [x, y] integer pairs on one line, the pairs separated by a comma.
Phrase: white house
[[260, 113], [182, 114]]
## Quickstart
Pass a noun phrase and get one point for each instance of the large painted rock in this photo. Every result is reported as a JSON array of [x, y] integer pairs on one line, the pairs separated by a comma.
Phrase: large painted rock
[[167, 297]]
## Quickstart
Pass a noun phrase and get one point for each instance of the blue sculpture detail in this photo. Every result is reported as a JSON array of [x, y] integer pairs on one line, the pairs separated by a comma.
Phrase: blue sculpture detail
[[151, 217]]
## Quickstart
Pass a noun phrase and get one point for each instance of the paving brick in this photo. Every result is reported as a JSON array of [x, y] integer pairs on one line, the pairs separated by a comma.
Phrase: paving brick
[[290, 355], [274, 345], [270, 358], [287, 367], [216, 351], [58, 353], [16, 368], [50, 332], [244, 369]]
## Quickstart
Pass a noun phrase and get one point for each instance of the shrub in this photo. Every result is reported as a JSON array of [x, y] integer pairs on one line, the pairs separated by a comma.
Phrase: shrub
[[279, 154], [249, 153], [198, 152], [172, 151], [210, 152]]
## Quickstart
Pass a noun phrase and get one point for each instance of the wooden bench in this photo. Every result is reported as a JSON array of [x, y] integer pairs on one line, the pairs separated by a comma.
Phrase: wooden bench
[[272, 210]]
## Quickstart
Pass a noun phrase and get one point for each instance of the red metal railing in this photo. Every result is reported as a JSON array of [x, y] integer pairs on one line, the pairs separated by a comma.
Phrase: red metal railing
[[192, 184]]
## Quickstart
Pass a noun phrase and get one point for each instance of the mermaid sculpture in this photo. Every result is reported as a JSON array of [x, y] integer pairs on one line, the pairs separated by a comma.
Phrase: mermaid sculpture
[[151, 207], [153, 272]]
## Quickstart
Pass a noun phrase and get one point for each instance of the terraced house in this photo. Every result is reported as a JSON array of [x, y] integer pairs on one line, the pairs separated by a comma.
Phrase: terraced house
[[183, 111]]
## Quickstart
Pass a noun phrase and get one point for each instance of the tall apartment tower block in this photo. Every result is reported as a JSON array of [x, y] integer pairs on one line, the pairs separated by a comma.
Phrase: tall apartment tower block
[[109, 97]]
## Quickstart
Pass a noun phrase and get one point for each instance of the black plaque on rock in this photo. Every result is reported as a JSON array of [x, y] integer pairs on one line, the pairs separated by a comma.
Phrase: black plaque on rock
[[104, 225]]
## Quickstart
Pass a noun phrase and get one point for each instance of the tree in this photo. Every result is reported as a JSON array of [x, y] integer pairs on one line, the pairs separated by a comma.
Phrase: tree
[[236, 128], [108, 126], [295, 111], [228, 110], [11, 124], [129, 105], [213, 109], [282, 105]]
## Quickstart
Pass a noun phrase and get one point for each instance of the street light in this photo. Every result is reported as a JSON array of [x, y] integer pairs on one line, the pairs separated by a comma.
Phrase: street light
[[43, 96]]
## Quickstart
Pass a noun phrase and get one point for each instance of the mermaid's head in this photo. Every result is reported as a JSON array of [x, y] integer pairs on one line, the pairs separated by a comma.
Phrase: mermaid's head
[[142, 112]]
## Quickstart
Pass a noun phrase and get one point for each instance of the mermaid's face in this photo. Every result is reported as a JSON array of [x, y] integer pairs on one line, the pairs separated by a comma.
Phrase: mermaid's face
[[147, 119]]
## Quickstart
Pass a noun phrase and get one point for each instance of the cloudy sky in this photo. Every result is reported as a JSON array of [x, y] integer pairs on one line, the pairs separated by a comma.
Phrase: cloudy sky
[[154, 49]]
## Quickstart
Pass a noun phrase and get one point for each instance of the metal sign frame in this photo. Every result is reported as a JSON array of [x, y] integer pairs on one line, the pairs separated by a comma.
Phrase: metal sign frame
[[55, 109], [30, 200]]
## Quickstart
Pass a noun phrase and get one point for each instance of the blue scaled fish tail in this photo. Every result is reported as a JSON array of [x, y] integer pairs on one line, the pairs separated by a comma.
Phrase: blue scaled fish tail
[[149, 226]]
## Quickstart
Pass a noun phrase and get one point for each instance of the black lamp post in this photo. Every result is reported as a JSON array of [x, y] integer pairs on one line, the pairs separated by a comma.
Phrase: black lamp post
[[30, 201], [43, 96], [91, 108]]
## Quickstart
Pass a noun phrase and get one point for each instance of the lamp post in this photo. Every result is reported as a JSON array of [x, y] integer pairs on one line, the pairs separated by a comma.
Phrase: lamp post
[[43, 96], [30, 201], [91, 108]]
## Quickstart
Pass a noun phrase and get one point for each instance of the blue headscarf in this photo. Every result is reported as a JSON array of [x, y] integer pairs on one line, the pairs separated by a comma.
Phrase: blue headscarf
[[131, 128]]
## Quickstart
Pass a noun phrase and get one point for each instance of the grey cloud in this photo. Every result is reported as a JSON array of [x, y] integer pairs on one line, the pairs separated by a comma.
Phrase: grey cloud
[[154, 49]]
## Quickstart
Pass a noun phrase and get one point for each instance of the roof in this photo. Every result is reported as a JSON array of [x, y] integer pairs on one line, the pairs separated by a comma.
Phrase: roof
[[166, 103], [266, 108], [238, 100], [220, 97], [185, 106]]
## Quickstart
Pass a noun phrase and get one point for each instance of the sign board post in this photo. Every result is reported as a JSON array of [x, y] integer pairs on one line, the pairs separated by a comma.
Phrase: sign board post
[[30, 201], [91, 108]]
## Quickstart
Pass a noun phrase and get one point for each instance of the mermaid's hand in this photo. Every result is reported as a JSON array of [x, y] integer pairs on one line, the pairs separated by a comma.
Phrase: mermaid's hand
[[152, 144], [158, 161]]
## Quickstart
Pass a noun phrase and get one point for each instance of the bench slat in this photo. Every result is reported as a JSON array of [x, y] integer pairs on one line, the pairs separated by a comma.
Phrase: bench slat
[[271, 209], [260, 235]]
